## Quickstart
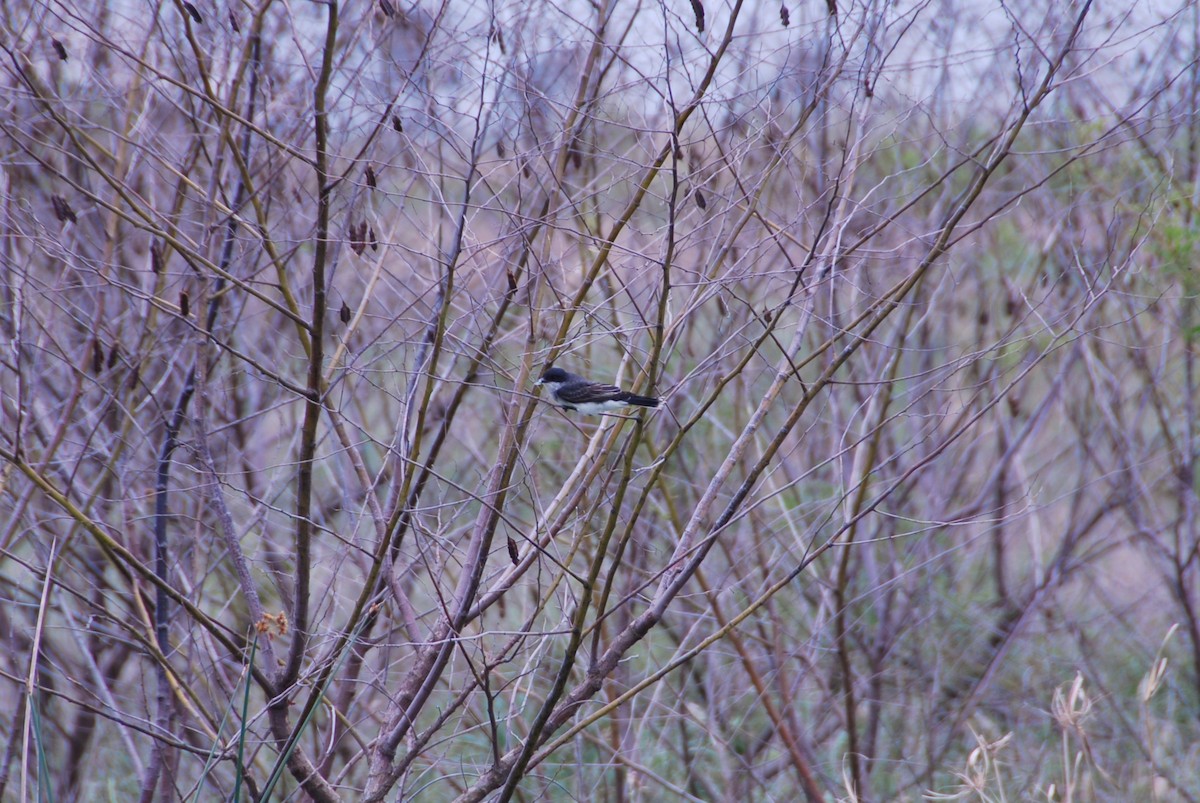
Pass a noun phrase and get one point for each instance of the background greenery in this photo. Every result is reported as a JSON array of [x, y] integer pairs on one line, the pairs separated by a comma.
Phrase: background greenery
[[283, 516]]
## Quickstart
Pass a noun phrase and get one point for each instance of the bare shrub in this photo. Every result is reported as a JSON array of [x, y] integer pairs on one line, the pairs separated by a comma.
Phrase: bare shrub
[[284, 516]]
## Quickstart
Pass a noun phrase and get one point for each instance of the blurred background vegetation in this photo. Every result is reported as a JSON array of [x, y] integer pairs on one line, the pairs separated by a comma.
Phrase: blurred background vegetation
[[283, 517]]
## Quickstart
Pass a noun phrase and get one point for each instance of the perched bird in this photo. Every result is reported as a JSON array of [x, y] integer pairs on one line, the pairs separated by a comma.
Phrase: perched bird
[[573, 392]]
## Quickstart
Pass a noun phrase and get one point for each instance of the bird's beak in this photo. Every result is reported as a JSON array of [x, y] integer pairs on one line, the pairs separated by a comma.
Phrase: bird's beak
[[537, 384]]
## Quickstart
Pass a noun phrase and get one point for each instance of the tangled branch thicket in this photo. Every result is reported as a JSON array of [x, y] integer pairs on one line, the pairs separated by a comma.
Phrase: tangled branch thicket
[[284, 516]]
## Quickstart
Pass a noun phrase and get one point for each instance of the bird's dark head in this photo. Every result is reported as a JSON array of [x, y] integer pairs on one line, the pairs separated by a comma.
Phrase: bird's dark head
[[553, 375]]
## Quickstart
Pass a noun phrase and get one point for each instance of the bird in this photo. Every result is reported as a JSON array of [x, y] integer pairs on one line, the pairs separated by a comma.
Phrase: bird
[[572, 392]]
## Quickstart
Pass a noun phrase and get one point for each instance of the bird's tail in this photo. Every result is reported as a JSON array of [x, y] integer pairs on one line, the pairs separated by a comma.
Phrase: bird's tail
[[642, 401]]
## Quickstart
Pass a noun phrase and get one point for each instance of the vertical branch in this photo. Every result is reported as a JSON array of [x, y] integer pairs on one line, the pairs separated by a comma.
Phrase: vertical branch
[[298, 764], [1186, 546], [316, 323], [163, 472], [162, 612], [865, 461]]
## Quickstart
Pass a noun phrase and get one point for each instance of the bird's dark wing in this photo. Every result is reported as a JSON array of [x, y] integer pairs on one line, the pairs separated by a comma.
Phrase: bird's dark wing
[[589, 392]]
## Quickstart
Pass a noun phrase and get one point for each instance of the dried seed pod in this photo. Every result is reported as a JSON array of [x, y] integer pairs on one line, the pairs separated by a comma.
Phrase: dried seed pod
[[156, 265], [184, 303], [371, 239], [233, 22], [191, 9], [386, 8], [513, 554], [500, 148], [62, 209], [784, 17], [358, 237], [97, 356], [344, 313], [699, 12], [59, 50], [114, 354], [396, 124], [369, 173], [700, 202]]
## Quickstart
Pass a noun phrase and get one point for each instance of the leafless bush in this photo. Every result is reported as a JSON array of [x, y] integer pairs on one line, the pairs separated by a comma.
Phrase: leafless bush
[[285, 518]]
